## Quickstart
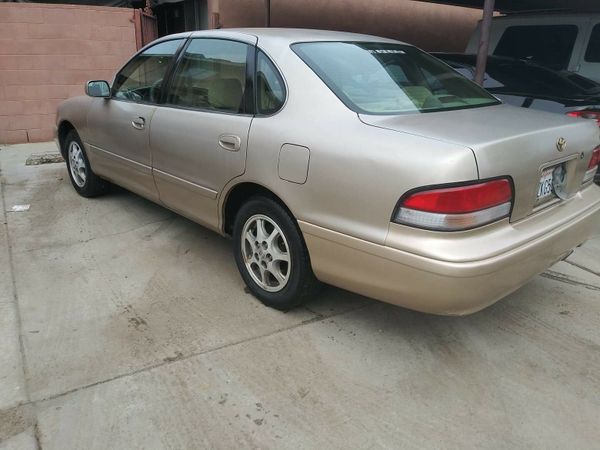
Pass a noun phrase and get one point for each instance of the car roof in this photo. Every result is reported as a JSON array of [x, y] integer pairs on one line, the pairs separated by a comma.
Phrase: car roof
[[284, 35]]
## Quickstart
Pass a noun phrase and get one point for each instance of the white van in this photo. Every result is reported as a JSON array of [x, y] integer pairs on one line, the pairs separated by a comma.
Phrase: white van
[[558, 41]]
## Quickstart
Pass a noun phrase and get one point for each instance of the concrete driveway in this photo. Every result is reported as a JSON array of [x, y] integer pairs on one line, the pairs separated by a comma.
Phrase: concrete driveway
[[124, 326]]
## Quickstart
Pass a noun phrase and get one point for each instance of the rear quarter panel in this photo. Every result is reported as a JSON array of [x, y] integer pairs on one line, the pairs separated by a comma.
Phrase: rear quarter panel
[[356, 172]]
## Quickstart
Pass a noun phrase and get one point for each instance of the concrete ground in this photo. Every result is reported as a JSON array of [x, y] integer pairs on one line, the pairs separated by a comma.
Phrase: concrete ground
[[124, 326]]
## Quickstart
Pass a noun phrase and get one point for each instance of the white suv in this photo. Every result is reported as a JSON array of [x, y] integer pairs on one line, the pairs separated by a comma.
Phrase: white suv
[[558, 41]]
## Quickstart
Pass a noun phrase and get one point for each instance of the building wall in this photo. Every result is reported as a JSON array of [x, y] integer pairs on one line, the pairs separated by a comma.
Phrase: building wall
[[47, 53], [429, 26]]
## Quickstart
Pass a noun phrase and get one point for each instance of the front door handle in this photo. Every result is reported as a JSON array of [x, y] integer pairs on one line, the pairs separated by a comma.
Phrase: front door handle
[[138, 123], [230, 142]]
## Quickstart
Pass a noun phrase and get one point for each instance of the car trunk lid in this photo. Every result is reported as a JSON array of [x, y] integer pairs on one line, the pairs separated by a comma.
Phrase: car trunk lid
[[514, 142]]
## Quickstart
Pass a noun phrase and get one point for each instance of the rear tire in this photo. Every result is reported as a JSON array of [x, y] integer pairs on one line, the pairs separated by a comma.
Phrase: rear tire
[[85, 182], [271, 255]]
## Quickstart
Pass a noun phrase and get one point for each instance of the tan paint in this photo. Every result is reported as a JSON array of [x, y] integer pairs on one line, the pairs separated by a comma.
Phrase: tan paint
[[293, 163], [440, 287], [359, 167]]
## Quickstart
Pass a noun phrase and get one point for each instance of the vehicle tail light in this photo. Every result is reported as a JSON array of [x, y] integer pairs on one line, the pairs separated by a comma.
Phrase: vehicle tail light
[[593, 165], [586, 114], [457, 207]]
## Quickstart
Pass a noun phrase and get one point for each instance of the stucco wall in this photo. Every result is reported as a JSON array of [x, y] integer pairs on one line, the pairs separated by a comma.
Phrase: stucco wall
[[430, 26], [47, 53]]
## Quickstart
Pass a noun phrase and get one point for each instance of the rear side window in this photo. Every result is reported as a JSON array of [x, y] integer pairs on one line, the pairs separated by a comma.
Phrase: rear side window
[[211, 75], [548, 45], [592, 54], [270, 90]]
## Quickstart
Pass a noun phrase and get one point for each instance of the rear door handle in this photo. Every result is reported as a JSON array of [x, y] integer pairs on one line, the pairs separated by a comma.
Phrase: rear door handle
[[230, 142], [138, 123]]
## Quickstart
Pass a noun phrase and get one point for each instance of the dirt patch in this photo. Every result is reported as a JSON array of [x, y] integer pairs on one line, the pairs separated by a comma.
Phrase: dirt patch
[[16, 420], [44, 158]]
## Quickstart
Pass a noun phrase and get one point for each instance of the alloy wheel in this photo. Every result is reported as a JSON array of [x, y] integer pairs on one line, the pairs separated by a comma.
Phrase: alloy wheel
[[77, 164], [266, 253]]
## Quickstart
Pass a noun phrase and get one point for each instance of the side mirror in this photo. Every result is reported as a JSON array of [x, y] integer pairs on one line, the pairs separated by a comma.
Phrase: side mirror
[[97, 88]]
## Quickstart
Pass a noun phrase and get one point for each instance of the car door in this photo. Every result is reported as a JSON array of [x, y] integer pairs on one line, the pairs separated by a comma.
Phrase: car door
[[119, 126], [199, 136]]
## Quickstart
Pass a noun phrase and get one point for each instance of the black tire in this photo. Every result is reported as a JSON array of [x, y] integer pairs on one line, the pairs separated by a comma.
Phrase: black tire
[[93, 185], [301, 282]]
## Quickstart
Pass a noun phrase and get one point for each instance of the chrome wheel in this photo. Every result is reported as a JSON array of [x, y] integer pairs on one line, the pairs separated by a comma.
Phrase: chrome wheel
[[77, 164], [266, 253]]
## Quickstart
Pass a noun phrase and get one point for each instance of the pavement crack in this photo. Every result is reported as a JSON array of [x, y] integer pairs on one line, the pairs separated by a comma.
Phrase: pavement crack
[[167, 361], [37, 435], [579, 266], [565, 279]]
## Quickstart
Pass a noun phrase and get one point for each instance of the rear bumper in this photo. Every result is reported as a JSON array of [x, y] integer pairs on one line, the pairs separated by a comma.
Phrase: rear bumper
[[439, 286]]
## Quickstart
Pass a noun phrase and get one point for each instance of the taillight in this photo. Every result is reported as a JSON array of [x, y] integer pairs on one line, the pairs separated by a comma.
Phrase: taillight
[[586, 114], [593, 165], [457, 207]]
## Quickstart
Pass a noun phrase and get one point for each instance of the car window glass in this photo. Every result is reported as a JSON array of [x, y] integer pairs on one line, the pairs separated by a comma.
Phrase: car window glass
[[548, 45], [270, 89], [520, 77], [384, 78], [592, 54], [211, 75], [141, 79]]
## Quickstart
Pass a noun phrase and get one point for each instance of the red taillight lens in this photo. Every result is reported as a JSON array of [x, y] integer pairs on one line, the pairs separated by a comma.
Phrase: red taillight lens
[[457, 207], [586, 114], [461, 199], [595, 161], [593, 165]]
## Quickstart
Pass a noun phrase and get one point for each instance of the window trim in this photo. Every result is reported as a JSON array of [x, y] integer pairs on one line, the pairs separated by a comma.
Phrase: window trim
[[165, 78], [249, 85], [255, 76]]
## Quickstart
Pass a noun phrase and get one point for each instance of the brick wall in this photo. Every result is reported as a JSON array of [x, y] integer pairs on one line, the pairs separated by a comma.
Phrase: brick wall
[[47, 53]]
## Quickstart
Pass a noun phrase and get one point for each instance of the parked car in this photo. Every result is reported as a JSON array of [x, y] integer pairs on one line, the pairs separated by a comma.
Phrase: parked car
[[556, 40], [354, 160], [528, 85]]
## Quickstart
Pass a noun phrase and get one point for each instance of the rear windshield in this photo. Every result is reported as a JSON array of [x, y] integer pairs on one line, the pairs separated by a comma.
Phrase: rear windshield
[[382, 78]]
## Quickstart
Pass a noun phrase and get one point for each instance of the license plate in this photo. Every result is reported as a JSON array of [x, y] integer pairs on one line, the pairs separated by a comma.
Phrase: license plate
[[545, 189]]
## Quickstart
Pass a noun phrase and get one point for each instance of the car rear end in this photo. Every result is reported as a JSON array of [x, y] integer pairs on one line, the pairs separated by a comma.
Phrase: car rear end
[[455, 247], [472, 243]]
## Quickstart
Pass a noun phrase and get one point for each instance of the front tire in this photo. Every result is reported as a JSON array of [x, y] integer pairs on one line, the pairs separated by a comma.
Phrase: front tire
[[85, 182], [271, 255]]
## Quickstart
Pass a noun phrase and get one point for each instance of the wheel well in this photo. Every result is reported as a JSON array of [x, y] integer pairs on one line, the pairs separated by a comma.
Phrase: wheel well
[[239, 195], [63, 129]]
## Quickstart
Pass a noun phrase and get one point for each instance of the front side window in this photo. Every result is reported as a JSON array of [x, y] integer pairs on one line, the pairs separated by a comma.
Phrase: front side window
[[270, 89], [548, 45], [211, 75], [382, 78], [592, 54], [141, 79]]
